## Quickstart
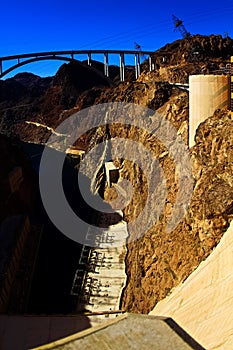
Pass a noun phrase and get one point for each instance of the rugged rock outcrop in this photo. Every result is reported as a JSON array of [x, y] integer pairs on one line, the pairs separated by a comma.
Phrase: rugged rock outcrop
[[198, 54], [75, 78], [19, 99], [42, 100], [158, 262], [23, 88]]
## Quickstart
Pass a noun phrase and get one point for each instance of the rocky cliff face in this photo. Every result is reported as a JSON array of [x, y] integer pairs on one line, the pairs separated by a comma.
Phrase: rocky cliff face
[[197, 46], [198, 54], [29, 97], [19, 99], [158, 262]]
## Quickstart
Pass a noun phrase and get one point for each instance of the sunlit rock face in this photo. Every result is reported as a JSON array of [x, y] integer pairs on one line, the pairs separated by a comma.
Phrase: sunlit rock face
[[158, 262], [199, 54]]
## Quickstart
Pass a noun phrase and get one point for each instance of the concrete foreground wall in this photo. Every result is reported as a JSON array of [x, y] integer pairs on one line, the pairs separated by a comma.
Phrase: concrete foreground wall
[[203, 304], [206, 94]]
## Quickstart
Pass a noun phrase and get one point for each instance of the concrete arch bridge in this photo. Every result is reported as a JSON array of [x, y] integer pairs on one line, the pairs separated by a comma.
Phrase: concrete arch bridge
[[23, 59]]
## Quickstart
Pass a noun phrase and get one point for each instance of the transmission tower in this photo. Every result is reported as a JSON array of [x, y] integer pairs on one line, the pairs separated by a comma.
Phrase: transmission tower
[[139, 49], [178, 23], [137, 46]]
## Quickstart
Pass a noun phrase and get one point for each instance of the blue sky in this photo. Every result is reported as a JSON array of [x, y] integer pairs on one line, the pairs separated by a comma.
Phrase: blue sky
[[28, 26]]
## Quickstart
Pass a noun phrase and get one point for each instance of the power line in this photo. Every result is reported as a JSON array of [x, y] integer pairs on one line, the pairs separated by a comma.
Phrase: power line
[[157, 28]]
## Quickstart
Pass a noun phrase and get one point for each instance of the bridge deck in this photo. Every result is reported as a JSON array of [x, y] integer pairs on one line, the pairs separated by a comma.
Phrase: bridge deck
[[75, 52]]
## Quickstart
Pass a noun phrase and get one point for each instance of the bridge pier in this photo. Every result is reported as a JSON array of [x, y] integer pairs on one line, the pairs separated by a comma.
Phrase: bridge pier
[[122, 67], [89, 59], [136, 70], [137, 65], [231, 86], [106, 71], [150, 64]]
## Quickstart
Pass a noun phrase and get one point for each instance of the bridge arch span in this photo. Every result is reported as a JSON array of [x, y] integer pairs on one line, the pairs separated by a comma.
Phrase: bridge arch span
[[35, 59]]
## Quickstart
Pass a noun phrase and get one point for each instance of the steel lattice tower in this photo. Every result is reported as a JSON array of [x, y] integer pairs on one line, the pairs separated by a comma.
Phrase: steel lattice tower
[[178, 23]]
